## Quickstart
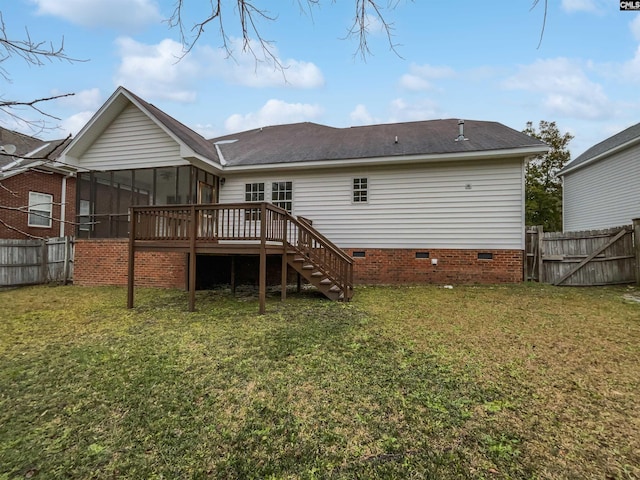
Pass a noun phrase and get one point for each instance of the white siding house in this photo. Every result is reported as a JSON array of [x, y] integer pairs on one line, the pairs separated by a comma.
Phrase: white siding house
[[457, 205], [437, 200], [601, 187]]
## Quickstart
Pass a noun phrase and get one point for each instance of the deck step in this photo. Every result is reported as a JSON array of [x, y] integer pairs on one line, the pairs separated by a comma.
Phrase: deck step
[[335, 289], [326, 281], [317, 274], [308, 267]]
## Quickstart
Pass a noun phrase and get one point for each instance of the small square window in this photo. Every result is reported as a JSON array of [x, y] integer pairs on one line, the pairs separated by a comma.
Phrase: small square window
[[422, 254], [359, 254], [485, 256], [360, 190]]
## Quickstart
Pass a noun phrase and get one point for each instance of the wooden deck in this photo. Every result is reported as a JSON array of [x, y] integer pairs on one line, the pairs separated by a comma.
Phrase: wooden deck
[[245, 228]]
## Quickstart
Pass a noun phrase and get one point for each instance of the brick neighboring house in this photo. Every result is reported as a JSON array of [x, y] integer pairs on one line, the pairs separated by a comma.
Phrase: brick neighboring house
[[35, 192], [437, 201]]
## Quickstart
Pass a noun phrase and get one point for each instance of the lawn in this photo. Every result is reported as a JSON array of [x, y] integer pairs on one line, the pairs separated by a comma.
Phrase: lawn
[[523, 381]]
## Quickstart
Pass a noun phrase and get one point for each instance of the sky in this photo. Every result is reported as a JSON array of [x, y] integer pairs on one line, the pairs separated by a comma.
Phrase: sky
[[462, 59]]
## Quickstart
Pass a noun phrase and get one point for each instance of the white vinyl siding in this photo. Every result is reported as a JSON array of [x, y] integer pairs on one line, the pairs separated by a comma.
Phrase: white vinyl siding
[[604, 194], [423, 206], [132, 140]]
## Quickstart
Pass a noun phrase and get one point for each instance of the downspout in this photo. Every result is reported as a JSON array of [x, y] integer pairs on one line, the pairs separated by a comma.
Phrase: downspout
[[63, 205]]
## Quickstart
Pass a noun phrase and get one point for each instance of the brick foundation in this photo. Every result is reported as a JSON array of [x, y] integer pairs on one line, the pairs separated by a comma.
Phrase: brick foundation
[[105, 262], [397, 266]]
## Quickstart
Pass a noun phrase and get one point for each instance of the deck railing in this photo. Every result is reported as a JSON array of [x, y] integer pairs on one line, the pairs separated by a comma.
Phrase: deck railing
[[261, 223]]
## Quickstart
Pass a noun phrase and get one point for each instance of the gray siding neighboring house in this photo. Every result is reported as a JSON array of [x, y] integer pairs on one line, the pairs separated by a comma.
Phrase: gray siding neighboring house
[[601, 187]]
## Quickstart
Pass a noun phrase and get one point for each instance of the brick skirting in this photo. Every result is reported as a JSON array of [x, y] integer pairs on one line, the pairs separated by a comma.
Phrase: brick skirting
[[104, 262], [397, 266]]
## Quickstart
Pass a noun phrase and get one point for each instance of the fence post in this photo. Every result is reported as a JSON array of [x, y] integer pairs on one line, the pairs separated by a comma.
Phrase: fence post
[[540, 230], [636, 243], [44, 266]]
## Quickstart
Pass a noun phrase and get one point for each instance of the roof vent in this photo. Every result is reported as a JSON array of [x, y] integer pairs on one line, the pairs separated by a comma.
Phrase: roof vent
[[461, 136]]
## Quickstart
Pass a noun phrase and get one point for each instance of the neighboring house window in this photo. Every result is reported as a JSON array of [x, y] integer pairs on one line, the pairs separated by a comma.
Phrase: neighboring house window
[[40, 209], [253, 192], [282, 195], [360, 190]]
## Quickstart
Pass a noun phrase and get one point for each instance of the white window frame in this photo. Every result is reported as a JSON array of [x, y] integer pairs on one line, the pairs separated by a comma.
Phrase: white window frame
[[282, 198], [357, 190], [40, 209], [253, 192]]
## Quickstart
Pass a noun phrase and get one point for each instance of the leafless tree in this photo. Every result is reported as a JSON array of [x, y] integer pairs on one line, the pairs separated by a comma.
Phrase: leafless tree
[[367, 13], [33, 52], [36, 53]]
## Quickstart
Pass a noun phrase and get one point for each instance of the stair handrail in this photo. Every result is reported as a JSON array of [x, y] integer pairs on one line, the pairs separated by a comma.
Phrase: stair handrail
[[343, 279]]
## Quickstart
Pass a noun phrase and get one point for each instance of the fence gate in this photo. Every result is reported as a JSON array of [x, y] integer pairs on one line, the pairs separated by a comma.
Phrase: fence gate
[[591, 257], [29, 262]]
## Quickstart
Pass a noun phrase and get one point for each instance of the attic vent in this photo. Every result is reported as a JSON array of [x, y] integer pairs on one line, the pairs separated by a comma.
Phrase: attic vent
[[461, 136]]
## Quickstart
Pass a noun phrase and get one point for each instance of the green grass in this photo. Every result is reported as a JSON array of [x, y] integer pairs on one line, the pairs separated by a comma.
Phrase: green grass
[[522, 381]]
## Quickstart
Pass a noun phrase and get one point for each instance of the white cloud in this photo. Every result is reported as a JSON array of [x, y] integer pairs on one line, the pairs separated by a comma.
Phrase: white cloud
[[565, 87], [580, 6], [274, 112], [251, 67], [635, 27], [124, 15], [74, 123], [85, 99], [419, 76], [402, 111], [361, 116], [153, 71], [207, 131]]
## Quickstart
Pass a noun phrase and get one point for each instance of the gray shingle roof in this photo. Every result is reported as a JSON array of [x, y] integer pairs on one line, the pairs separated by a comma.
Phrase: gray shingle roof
[[192, 139], [26, 147], [303, 142], [605, 146]]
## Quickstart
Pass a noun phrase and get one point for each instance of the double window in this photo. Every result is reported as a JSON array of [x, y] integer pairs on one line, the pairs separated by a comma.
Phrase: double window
[[281, 195], [40, 209]]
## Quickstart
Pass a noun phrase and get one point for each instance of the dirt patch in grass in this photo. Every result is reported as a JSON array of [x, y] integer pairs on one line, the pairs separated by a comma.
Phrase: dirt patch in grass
[[519, 381]]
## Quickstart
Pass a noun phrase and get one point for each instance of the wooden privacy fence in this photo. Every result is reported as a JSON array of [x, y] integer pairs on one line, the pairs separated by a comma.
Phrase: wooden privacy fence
[[30, 262], [590, 257]]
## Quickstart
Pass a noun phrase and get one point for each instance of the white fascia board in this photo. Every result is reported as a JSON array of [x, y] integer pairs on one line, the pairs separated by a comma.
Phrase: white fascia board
[[96, 124], [392, 160], [599, 157], [200, 161]]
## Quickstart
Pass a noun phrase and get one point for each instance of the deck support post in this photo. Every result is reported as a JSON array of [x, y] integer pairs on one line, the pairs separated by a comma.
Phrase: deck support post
[[636, 243], [233, 275], [283, 278], [192, 259], [263, 259], [132, 257]]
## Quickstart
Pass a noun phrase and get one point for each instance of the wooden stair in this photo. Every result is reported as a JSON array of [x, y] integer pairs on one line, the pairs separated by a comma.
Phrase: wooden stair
[[319, 277]]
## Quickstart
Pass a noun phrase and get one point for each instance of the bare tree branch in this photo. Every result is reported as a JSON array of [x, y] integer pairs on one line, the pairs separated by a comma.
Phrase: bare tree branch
[[367, 12], [21, 232], [544, 18]]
